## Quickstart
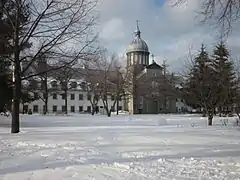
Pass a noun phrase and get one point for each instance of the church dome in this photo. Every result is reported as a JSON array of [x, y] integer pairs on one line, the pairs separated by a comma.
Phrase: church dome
[[138, 44]]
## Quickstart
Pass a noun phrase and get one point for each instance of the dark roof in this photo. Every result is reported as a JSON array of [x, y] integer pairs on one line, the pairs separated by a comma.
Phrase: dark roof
[[154, 65]]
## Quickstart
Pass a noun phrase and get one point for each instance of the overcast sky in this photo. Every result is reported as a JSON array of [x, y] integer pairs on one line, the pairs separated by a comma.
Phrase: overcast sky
[[169, 31]]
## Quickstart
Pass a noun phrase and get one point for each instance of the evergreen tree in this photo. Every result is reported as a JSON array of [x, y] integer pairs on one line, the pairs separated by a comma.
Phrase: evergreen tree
[[226, 79], [5, 87], [5, 76], [200, 84], [13, 18]]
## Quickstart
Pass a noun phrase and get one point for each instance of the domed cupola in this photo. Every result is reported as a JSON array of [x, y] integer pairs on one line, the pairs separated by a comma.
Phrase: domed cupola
[[137, 51]]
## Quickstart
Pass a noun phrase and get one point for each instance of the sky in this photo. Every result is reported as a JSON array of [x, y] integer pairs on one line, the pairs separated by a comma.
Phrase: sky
[[169, 31]]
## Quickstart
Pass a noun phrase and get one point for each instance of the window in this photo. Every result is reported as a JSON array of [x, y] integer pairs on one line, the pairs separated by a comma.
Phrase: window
[[105, 97], [80, 96], [120, 98], [96, 97], [112, 97], [35, 108], [80, 108], [89, 97], [25, 108], [97, 109], [63, 108], [73, 109], [54, 84], [54, 108], [54, 96], [72, 96], [89, 109], [119, 108], [35, 95], [45, 95], [63, 96], [73, 85], [132, 60], [112, 108]]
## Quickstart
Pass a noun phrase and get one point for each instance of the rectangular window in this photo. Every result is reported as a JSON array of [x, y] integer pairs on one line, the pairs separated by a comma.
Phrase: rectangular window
[[63, 108], [97, 109], [72, 109], [54, 96], [105, 97], [119, 108], [112, 97], [54, 108], [72, 96], [63, 96], [112, 108], [25, 108], [96, 97], [80, 108], [89, 97], [80, 96], [45, 95], [35, 95], [89, 109], [35, 108]]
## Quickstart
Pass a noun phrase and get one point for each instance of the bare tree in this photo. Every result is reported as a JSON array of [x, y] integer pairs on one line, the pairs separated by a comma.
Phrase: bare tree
[[90, 85], [106, 81], [64, 76], [62, 29], [224, 12]]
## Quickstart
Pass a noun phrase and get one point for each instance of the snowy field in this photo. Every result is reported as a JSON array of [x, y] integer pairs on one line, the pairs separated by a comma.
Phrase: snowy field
[[141, 147]]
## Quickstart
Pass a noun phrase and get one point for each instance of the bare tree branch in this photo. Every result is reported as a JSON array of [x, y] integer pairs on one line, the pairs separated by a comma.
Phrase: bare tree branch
[[224, 12]]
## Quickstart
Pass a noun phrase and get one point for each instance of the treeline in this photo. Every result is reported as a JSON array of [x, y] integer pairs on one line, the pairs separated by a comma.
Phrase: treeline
[[212, 83]]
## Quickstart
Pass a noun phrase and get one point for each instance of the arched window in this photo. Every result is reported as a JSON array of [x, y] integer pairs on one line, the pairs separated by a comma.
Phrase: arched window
[[132, 58]]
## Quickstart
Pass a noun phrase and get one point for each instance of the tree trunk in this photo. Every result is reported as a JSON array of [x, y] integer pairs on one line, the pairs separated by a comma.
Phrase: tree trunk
[[16, 98], [66, 102], [210, 119], [109, 113], [93, 110], [117, 104], [45, 110], [16, 75]]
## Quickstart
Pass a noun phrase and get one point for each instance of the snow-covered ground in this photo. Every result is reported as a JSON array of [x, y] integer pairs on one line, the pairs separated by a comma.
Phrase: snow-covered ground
[[141, 147]]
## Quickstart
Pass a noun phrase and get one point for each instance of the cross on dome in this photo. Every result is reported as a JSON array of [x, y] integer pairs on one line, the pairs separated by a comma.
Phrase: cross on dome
[[138, 32]]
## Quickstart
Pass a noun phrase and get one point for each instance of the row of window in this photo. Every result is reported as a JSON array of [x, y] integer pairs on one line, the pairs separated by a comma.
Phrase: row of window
[[63, 109], [80, 97]]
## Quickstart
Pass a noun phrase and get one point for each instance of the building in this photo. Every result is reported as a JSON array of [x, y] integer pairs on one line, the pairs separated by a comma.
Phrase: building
[[78, 95], [150, 88], [147, 81]]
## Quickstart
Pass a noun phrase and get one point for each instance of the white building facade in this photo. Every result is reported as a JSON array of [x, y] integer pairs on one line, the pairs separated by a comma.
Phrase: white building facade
[[77, 102]]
